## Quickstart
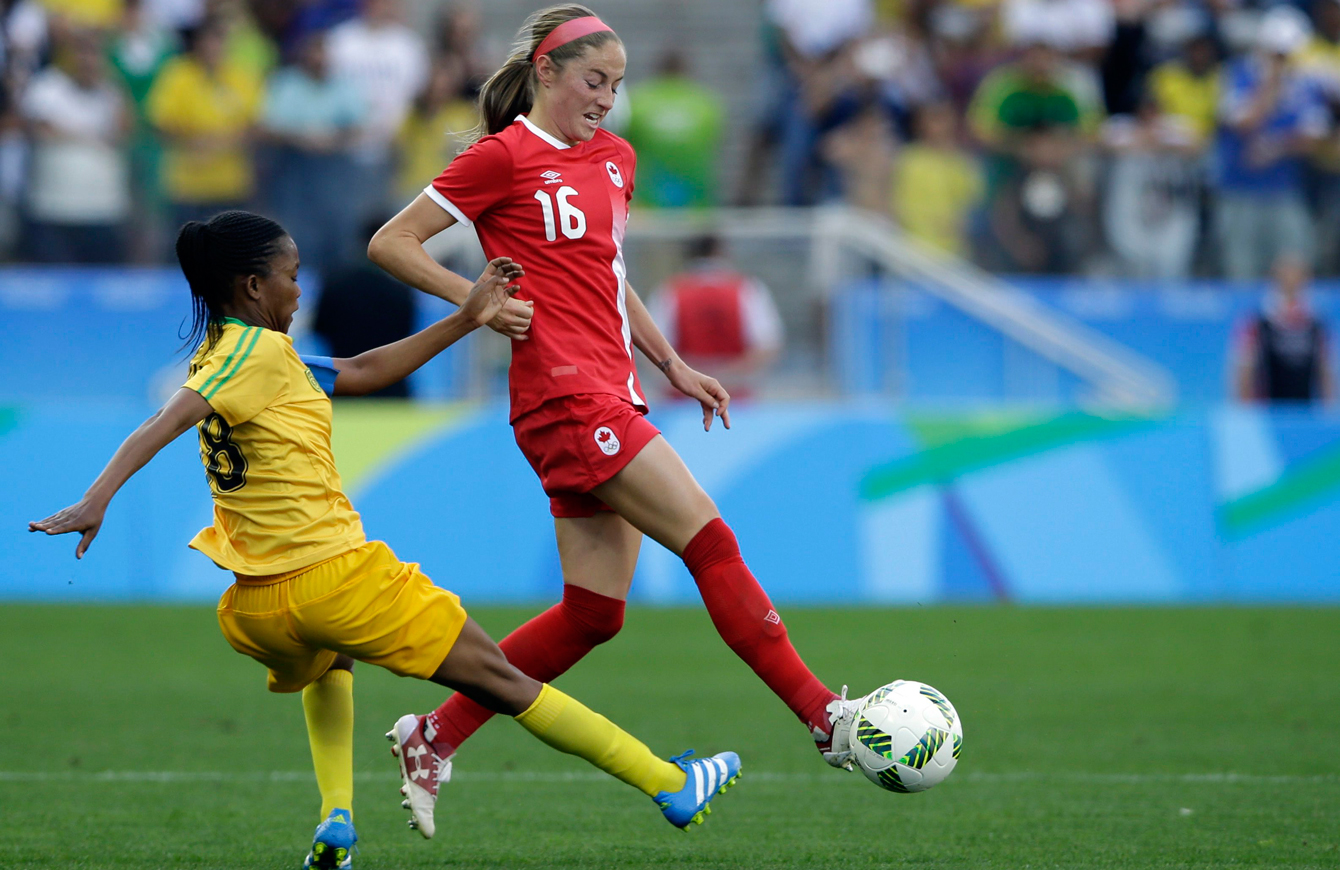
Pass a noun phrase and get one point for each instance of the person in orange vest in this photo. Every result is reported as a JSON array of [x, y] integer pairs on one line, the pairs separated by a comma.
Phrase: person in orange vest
[[720, 319]]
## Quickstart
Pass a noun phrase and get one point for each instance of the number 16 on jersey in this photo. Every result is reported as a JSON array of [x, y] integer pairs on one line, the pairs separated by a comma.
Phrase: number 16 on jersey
[[570, 218]]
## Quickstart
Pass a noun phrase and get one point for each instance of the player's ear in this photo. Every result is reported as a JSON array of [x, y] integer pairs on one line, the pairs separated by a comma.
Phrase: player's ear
[[545, 70]]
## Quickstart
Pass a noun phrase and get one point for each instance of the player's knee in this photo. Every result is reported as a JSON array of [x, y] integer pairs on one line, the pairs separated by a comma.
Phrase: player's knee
[[599, 620], [713, 544], [604, 627]]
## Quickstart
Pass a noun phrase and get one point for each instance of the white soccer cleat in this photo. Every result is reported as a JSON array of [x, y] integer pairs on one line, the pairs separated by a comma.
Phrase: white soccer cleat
[[841, 715], [422, 772]]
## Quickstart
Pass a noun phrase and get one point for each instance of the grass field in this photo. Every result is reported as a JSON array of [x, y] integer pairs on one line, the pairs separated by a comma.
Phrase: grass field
[[134, 737]]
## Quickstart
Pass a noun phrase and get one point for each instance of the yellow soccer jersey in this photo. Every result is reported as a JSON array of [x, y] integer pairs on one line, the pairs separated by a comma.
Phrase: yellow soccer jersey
[[278, 506]]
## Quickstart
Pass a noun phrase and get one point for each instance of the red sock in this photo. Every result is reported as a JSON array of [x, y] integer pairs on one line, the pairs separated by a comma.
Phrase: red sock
[[542, 648], [747, 622]]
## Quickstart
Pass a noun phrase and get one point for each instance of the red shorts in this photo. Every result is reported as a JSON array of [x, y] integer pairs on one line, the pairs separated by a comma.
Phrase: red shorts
[[576, 443]]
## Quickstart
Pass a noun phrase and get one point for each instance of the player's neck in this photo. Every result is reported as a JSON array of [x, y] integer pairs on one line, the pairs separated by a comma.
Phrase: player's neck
[[540, 118], [249, 316]]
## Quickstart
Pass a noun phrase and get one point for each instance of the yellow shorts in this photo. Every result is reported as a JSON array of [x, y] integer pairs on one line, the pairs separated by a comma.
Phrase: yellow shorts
[[366, 604]]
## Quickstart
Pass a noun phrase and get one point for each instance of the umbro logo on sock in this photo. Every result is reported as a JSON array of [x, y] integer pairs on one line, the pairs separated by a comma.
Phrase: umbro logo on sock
[[773, 618]]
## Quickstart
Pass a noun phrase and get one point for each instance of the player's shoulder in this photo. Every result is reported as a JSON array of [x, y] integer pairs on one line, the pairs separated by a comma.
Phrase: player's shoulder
[[238, 344], [495, 148], [510, 139], [604, 138]]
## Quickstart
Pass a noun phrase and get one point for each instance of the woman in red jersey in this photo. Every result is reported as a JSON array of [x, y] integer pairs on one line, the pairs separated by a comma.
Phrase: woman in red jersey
[[547, 185]]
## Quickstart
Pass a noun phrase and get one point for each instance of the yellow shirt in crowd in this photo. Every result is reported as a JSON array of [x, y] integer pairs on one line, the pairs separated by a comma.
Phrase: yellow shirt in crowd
[[428, 143], [1192, 98], [212, 113], [933, 192], [278, 506], [87, 13]]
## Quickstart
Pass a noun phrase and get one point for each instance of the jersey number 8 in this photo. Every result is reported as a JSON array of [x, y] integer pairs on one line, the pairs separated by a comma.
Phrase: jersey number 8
[[570, 218], [224, 462]]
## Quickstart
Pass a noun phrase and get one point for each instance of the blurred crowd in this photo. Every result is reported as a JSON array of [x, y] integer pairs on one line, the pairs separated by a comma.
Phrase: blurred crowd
[[1157, 139], [1137, 138], [123, 118]]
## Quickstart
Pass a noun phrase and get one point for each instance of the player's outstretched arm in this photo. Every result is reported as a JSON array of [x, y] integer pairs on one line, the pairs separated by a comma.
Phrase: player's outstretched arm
[[382, 366], [185, 409], [649, 339], [398, 248]]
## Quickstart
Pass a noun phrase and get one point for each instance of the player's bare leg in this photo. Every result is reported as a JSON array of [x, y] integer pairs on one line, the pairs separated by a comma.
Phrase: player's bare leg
[[477, 668], [598, 553], [658, 494]]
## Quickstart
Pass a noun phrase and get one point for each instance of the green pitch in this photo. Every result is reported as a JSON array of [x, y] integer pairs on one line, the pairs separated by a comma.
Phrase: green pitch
[[133, 737]]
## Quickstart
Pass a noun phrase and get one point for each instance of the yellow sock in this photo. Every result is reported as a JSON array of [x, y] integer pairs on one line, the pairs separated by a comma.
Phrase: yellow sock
[[329, 707], [569, 726]]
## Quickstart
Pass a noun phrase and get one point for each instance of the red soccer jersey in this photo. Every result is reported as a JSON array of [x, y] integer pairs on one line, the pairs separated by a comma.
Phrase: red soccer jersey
[[560, 211]]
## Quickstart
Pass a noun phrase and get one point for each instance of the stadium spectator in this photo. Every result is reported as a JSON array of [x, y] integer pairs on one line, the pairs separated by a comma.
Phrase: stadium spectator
[[1035, 121], [894, 68], [1038, 216], [78, 187], [460, 35], [963, 50], [311, 120], [175, 15], [1152, 208], [289, 22], [204, 106], [362, 307], [26, 29], [1271, 115], [436, 128], [1187, 87], [388, 62], [1080, 28], [815, 38], [139, 51], [1283, 352], [862, 152], [1038, 91], [677, 126], [86, 14], [1321, 60], [936, 182], [245, 45], [719, 317]]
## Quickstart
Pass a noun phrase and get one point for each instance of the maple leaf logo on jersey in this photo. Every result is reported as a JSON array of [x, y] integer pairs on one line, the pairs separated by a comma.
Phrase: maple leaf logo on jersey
[[607, 441], [552, 176], [615, 175]]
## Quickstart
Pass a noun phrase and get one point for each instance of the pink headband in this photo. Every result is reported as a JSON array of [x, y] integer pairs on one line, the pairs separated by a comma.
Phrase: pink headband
[[573, 28]]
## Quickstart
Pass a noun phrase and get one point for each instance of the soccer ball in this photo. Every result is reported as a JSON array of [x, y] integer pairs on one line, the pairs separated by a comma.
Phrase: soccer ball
[[906, 736]]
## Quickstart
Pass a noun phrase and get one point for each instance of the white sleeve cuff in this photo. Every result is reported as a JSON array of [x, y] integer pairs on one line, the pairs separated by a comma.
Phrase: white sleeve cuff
[[447, 205]]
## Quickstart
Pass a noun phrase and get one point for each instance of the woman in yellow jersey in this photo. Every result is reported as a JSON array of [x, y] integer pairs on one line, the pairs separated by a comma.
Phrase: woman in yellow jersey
[[312, 594]]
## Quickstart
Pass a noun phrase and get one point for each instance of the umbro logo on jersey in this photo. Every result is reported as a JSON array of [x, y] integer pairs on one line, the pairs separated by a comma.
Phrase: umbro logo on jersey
[[615, 175], [552, 177]]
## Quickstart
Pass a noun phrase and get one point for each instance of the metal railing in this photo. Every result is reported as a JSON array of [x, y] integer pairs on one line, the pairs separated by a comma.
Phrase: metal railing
[[839, 238]]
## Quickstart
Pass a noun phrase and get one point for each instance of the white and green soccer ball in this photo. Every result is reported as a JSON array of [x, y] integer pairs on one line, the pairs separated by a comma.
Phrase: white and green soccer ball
[[906, 736]]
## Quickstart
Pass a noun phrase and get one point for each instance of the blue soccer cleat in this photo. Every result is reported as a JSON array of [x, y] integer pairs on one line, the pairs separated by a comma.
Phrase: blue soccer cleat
[[705, 779], [333, 842]]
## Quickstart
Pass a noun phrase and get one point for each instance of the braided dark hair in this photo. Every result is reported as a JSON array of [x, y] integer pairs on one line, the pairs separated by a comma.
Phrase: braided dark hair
[[213, 254]]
